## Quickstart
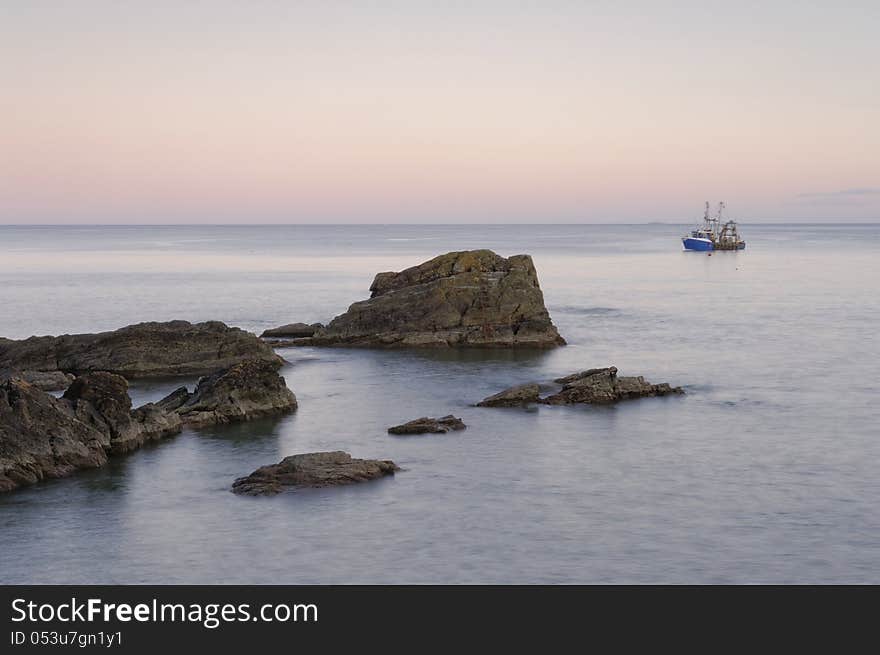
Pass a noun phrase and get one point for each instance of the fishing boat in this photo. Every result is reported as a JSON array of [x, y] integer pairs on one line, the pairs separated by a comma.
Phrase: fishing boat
[[713, 234]]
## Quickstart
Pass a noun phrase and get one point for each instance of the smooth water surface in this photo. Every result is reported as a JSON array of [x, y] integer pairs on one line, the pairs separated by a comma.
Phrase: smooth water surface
[[766, 471]]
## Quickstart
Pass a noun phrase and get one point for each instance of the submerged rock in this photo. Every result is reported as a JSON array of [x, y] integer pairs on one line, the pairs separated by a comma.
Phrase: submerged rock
[[45, 437], [425, 424], [292, 330], [312, 470], [470, 298], [522, 394], [593, 386], [601, 386], [174, 348], [251, 389]]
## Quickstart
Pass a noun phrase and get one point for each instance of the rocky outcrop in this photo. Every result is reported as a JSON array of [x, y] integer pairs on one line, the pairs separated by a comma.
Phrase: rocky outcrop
[[593, 386], [517, 396], [174, 348], [425, 425], [292, 331], [45, 437], [248, 390], [312, 470], [602, 386], [471, 298]]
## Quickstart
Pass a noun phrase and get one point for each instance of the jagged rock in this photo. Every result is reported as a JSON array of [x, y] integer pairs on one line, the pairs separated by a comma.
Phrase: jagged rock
[[101, 400], [312, 470], [522, 394], [250, 389], [46, 437], [292, 330], [425, 424], [41, 438], [470, 298], [43, 380], [601, 386], [174, 399], [137, 351]]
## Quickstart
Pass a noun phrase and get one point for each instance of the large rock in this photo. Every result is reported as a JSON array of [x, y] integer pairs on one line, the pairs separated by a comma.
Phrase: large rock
[[593, 386], [41, 438], [251, 389], [602, 386], [175, 348], [522, 394], [312, 470], [425, 425], [292, 330], [46, 437], [471, 298]]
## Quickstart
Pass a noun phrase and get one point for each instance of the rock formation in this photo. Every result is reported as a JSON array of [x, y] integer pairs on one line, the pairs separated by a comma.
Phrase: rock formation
[[593, 386], [251, 389], [292, 331], [471, 298], [46, 437], [44, 380], [101, 401], [521, 394], [312, 470], [175, 348], [601, 385], [424, 425]]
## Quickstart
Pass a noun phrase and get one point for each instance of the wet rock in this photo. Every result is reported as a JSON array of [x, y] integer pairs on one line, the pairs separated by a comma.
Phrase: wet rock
[[470, 298], [312, 470], [425, 424], [251, 389], [602, 386], [292, 330], [517, 396], [174, 348]]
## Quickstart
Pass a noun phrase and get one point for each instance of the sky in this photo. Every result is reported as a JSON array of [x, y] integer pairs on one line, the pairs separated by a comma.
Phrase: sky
[[487, 112]]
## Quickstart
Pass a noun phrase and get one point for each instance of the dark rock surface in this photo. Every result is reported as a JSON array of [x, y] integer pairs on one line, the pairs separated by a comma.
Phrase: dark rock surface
[[425, 424], [602, 386], [41, 438], [312, 470], [137, 351], [292, 330], [247, 390], [45, 437], [44, 380], [470, 298], [593, 386], [517, 396]]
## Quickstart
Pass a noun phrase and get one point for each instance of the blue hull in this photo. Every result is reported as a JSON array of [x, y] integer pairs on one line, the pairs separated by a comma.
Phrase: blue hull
[[697, 244]]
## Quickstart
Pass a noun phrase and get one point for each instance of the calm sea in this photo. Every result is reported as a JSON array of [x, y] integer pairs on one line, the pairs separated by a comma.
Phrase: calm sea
[[767, 471]]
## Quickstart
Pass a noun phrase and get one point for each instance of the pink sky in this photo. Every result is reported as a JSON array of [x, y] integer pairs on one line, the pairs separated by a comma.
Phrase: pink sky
[[485, 112]]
